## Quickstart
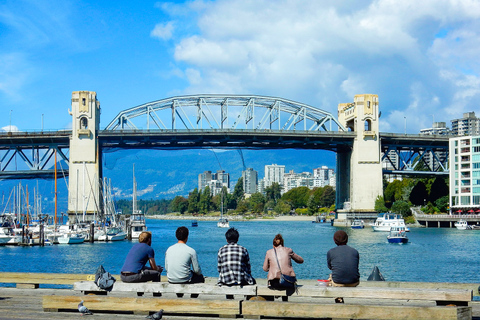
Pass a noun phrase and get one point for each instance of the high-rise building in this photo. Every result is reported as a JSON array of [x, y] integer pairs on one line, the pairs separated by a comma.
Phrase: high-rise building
[[204, 179], [274, 173], [439, 128], [250, 181], [324, 176], [464, 173], [215, 181], [469, 125]]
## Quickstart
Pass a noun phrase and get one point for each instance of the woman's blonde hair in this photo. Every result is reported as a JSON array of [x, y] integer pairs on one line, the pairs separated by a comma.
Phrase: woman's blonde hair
[[278, 240]]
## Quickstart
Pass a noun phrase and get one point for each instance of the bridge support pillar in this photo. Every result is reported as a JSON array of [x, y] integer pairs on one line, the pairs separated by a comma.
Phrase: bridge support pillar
[[85, 165], [359, 171]]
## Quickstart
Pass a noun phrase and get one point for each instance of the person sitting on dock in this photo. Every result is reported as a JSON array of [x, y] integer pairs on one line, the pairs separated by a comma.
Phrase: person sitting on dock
[[234, 262], [134, 269], [278, 261], [181, 261], [343, 260]]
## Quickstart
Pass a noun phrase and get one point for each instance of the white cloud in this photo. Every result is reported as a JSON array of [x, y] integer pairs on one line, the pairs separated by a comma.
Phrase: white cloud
[[323, 53], [163, 31]]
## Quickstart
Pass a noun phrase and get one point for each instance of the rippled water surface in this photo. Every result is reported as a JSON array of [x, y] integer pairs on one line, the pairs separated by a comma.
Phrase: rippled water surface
[[432, 255]]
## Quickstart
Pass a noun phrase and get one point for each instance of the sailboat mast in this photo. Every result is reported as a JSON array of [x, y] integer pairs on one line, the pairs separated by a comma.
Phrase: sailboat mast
[[134, 204], [55, 221]]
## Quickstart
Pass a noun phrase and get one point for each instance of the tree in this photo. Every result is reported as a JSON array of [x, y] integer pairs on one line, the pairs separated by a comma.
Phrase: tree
[[193, 198], [393, 192], [438, 189], [179, 204], [273, 192], [204, 203], [380, 205], [419, 194], [238, 193], [402, 207], [257, 201], [282, 207], [328, 196], [297, 197], [442, 203]]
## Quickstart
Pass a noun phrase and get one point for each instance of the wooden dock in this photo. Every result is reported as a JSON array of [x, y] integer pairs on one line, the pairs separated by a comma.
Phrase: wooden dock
[[27, 300]]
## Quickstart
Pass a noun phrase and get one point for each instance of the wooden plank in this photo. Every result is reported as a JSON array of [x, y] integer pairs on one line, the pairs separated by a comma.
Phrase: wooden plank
[[116, 304], [348, 311], [42, 278], [438, 294], [422, 285], [162, 287]]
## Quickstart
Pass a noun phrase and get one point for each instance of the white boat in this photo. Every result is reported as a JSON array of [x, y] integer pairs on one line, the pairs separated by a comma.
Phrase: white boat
[[357, 224], [137, 219], [5, 239], [113, 234], [223, 223], [461, 224], [71, 238], [397, 235], [385, 221]]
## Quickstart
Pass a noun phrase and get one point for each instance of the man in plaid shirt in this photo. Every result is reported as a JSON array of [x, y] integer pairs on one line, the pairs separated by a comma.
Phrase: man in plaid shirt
[[234, 262]]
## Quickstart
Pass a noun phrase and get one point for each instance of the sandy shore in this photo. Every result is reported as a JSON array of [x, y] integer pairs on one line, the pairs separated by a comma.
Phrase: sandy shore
[[231, 218]]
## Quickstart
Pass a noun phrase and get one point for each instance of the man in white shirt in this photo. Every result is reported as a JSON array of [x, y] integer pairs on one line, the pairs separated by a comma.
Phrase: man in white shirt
[[181, 261]]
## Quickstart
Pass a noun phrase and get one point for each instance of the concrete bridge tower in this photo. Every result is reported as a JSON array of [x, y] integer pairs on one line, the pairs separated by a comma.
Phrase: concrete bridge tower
[[85, 159], [359, 171]]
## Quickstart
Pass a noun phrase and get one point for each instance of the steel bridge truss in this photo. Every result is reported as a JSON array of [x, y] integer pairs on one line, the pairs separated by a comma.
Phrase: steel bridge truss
[[22, 161], [415, 161], [225, 112]]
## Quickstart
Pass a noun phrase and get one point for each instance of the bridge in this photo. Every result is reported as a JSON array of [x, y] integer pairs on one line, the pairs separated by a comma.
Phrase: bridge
[[227, 121]]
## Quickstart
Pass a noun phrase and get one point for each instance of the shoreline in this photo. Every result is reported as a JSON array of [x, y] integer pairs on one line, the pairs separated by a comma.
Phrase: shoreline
[[231, 218]]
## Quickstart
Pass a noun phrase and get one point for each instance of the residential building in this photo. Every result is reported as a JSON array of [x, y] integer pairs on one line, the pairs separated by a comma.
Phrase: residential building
[[293, 180], [324, 176], [469, 125], [438, 128], [464, 173], [274, 173], [215, 181], [250, 181]]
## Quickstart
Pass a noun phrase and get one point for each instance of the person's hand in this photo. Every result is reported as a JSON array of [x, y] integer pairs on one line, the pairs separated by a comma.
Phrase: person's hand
[[160, 268]]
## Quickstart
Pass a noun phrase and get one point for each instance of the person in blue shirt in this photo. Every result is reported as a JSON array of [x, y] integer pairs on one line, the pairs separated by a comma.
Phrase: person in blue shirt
[[134, 269]]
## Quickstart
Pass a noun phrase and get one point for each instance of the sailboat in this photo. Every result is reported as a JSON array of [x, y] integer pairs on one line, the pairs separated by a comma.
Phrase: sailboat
[[222, 222], [137, 220]]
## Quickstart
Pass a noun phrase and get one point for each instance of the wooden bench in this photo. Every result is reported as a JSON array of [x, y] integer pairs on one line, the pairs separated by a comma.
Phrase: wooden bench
[[159, 288], [27, 280], [142, 305], [259, 309], [459, 297]]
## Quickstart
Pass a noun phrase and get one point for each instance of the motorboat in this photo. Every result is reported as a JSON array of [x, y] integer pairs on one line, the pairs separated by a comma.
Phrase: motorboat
[[194, 223], [357, 224], [71, 238], [397, 234], [461, 224], [5, 239], [223, 223], [385, 221], [320, 219], [113, 234]]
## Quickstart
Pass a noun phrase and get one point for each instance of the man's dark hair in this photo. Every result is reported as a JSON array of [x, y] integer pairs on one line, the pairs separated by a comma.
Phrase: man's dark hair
[[182, 233], [232, 235]]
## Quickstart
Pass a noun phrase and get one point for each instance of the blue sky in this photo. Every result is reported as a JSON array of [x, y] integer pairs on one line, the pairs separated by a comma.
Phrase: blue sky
[[420, 57]]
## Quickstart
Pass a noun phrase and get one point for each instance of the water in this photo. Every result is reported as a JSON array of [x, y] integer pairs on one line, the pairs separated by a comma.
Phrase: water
[[432, 255]]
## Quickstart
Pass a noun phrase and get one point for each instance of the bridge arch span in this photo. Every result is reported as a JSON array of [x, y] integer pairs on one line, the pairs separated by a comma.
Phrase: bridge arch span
[[225, 112]]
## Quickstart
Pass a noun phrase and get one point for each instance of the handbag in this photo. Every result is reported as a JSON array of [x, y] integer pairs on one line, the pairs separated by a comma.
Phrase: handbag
[[286, 281]]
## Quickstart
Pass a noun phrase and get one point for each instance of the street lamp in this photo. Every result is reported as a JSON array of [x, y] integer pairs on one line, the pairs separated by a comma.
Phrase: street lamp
[[405, 125], [10, 127]]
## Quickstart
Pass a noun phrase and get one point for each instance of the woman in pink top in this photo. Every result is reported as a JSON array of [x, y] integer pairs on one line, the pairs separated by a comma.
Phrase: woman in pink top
[[285, 256]]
